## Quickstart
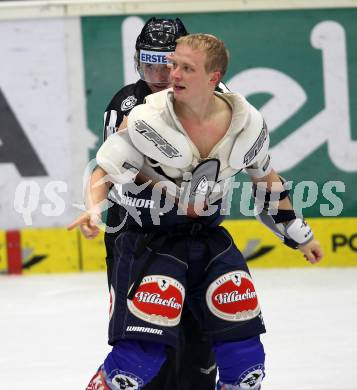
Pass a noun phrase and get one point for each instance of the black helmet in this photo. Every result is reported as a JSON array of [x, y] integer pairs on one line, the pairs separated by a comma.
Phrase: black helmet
[[160, 34]]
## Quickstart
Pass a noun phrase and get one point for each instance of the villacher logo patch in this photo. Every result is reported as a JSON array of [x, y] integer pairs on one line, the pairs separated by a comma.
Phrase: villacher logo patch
[[158, 300], [232, 297]]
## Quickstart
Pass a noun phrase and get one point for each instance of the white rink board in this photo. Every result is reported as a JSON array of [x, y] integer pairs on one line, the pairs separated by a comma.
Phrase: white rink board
[[43, 85], [53, 329]]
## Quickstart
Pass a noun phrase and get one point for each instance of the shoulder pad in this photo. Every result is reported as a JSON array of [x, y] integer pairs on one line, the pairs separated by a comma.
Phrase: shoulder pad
[[252, 142], [240, 110], [158, 99], [119, 158], [156, 139]]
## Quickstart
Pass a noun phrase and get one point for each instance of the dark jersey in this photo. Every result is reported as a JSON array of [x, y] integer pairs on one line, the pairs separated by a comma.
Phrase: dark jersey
[[121, 105]]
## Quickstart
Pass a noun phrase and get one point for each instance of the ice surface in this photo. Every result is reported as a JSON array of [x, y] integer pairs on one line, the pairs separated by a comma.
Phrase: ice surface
[[53, 329]]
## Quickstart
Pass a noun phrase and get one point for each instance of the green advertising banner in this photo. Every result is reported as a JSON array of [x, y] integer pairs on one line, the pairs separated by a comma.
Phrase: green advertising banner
[[298, 67]]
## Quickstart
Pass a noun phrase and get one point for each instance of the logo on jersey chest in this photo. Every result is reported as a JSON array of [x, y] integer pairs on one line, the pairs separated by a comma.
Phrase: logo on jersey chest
[[158, 300], [202, 187], [232, 297]]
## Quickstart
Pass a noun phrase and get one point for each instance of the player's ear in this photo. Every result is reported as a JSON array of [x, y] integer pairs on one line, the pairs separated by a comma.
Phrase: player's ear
[[215, 77]]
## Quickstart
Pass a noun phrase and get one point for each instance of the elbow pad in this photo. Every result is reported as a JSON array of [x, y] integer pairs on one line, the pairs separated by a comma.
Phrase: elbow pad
[[119, 158], [291, 230], [285, 224]]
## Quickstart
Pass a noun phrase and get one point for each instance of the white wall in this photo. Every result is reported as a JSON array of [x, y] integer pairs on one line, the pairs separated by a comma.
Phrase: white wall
[[41, 79]]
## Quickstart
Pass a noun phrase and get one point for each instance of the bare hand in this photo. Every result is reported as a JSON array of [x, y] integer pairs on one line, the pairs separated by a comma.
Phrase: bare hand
[[88, 225], [312, 251]]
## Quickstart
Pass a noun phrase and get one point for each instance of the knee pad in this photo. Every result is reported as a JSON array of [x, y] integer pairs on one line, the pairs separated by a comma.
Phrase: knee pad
[[132, 364], [240, 364]]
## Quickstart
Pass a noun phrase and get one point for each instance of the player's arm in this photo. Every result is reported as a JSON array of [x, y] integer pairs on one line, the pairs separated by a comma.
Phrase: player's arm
[[95, 202], [98, 187], [118, 162], [273, 206], [275, 210]]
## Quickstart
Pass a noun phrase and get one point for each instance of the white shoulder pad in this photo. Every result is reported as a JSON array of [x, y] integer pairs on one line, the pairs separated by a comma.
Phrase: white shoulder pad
[[156, 139], [157, 99], [119, 158], [251, 145]]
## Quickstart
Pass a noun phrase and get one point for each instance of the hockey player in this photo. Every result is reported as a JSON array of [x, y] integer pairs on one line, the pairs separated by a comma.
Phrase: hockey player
[[194, 358], [190, 140]]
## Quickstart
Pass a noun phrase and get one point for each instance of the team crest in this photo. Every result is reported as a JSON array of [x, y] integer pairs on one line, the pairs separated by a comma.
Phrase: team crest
[[128, 103], [232, 297], [124, 380], [201, 187], [251, 377], [158, 300]]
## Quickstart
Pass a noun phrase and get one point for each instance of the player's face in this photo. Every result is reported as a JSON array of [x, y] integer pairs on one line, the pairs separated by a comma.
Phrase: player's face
[[188, 75], [157, 76]]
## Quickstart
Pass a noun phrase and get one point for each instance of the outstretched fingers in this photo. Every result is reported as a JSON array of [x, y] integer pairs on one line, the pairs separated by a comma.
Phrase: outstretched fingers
[[83, 218], [88, 224]]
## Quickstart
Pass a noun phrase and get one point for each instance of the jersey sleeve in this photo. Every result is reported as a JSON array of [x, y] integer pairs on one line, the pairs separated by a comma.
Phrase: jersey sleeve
[[113, 116]]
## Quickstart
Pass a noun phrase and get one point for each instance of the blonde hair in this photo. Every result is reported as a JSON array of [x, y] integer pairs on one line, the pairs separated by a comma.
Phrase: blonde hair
[[216, 52]]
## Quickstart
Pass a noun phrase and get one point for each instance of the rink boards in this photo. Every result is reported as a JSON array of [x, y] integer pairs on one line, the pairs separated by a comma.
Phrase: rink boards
[[58, 250]]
